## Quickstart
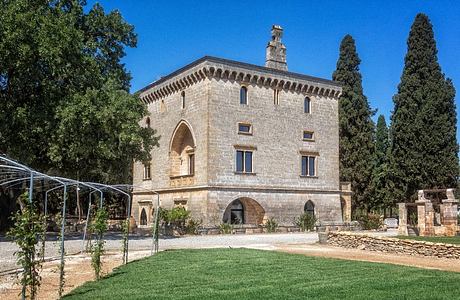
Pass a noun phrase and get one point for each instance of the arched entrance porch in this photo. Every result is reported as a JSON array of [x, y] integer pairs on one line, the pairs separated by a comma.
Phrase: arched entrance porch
[[244, 211]]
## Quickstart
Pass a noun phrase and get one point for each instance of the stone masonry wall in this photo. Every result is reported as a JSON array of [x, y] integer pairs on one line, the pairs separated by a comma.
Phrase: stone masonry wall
[[393, 245], [213, 111]]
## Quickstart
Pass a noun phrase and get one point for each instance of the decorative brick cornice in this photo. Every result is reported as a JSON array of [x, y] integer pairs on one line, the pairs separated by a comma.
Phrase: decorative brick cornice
[[222, 69]]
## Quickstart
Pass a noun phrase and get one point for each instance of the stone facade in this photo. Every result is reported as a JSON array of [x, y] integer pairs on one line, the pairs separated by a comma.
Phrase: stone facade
[[393, 245], [197, 111]]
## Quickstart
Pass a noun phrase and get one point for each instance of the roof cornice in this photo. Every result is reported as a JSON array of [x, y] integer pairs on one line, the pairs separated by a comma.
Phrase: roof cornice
[[224, 69]]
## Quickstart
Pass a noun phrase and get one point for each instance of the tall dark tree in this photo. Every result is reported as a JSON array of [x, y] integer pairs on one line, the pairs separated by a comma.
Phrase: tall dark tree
[[355, 125], [380, 197], [423, 131]]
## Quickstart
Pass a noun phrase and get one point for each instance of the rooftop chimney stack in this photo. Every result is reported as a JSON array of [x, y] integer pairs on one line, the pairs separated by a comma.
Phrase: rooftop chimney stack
[[276, 51]]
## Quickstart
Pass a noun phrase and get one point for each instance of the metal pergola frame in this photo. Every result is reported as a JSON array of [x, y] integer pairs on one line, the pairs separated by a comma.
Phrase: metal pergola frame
[[16, 173]]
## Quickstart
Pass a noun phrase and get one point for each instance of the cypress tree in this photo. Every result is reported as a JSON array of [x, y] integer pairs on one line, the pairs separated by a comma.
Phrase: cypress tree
[[380, 172], [423, 132], [355, 125]]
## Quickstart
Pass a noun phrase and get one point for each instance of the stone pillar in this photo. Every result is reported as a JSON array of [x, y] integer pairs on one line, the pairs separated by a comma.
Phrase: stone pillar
[[402, 228], [345, 198], [449, 213], [425, 217]]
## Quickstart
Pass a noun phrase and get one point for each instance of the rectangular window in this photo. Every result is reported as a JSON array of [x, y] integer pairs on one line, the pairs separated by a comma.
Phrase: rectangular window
[[147, 169], [308, 135], [243, 161], [308, 165], [244, 128], [191, 162]]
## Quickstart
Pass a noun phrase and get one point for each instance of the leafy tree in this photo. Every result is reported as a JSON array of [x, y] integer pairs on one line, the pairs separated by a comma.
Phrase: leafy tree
[[64, 90], [423, 131], [355, 125], [380, 197], [96, 130], [53, 54]]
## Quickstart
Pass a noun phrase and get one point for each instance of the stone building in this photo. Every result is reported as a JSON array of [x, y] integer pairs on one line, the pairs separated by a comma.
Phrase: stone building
[[242, 143]]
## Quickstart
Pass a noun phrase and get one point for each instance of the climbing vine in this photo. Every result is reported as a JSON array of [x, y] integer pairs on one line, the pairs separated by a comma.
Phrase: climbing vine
[[125, 231], [59, 221], [99, 227], [26, 233]]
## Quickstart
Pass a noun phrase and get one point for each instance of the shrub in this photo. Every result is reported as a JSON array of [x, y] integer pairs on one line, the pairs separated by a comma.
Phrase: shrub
[[225, 228], [175, 218], [271, 225], [306, 222], [192, 226], [370, 221], [26, 233], [413, 219]]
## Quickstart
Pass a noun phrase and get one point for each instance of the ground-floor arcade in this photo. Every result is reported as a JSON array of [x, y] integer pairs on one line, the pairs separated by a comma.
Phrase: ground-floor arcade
[[242, 206]]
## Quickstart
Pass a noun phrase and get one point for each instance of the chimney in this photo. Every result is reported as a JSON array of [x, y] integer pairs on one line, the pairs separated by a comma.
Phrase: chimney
[[276, 51]]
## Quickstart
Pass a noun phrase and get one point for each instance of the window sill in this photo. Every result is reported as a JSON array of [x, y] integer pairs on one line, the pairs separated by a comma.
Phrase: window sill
[[146, 179], [181, 176], [244, 133], [245, 173], [308, 140], [308, 176]]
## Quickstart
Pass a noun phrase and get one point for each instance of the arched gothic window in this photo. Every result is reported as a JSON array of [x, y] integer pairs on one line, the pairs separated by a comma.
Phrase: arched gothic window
[[143, 217], [306, 105], [182, 95], [309, 208], [244, 95]]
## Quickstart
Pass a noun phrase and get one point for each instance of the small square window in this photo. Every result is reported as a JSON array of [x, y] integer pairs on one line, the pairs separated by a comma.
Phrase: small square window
[[244, 128], [308, 136]]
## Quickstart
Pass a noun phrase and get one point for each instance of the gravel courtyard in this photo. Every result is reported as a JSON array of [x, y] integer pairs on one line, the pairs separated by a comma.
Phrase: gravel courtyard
[[73, 244]]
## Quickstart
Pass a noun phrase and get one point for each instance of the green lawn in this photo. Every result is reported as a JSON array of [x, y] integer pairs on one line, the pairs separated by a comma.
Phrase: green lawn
[[434, 239], [255, 274]]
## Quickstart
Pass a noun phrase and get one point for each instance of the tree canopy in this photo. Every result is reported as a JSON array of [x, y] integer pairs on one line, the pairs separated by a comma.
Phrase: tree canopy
[[64, 100], [380, 197], [424, 149]]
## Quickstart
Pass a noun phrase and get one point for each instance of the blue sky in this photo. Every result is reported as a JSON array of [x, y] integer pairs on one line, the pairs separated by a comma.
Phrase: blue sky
[[174, 33]]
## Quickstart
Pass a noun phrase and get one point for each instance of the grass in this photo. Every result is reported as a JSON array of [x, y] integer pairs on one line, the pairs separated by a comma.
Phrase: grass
[[256, 274], [433, 239]]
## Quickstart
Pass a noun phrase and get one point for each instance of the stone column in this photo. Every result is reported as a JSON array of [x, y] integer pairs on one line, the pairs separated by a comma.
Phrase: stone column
[[429, 219], [345, 197], [449, 213], [402, 228], [421, 213]]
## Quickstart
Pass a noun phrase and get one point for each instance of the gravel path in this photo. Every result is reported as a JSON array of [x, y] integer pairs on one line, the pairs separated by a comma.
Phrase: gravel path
[[73, 244]]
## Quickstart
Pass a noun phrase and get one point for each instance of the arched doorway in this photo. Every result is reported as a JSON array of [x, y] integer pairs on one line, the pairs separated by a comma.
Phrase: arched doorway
[[182, 151], [244, 211], [309, 208], [143, 217]]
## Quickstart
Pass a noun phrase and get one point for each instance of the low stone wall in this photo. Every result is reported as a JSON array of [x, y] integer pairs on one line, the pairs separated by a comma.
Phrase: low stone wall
[[393, 245]]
